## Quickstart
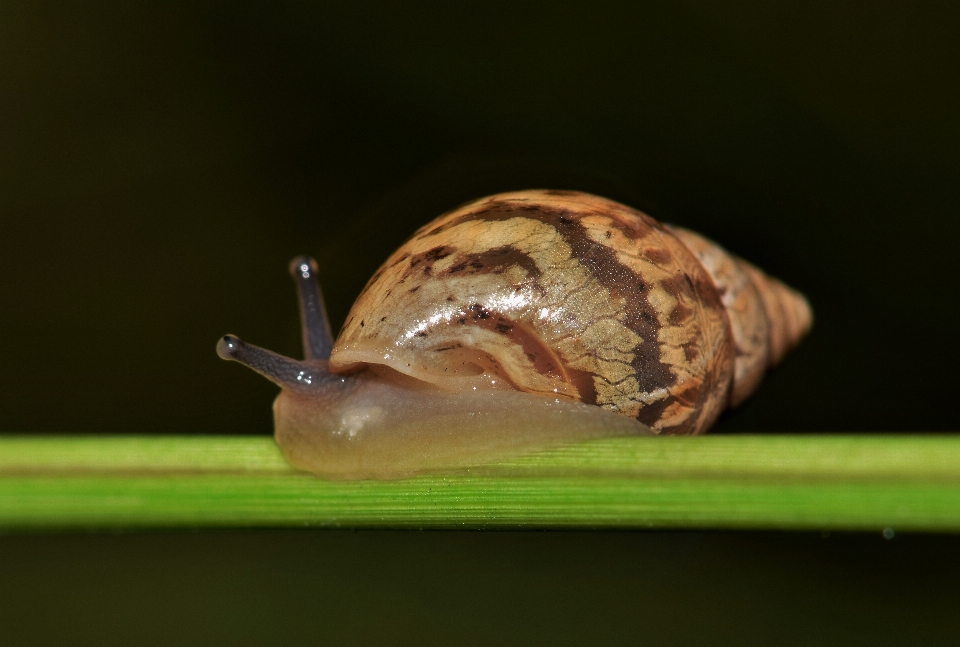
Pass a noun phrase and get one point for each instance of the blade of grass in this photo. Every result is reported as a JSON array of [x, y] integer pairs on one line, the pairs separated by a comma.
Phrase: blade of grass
[[776, 482]]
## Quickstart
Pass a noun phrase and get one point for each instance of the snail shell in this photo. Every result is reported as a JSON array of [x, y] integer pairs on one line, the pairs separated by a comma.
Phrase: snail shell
[[524, 320], [563, 292]]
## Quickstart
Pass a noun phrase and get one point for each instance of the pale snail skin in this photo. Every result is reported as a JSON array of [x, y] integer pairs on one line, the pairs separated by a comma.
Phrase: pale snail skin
[[519, 322]]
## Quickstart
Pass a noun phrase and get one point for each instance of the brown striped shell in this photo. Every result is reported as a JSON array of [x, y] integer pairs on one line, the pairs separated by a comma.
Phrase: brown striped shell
[[566, 293]]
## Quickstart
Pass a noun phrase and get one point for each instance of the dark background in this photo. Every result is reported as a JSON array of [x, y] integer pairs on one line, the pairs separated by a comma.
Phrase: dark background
[[160, 164]]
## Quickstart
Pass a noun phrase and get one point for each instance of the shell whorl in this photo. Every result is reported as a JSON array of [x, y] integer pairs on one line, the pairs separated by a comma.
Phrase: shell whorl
[[766, 317], [561, 292]]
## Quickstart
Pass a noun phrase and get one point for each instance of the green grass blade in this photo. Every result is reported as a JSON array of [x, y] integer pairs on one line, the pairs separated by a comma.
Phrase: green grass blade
[[785, 482]]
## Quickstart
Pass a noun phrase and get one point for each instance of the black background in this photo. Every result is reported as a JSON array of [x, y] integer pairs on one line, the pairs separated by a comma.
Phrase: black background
[[160, 164]]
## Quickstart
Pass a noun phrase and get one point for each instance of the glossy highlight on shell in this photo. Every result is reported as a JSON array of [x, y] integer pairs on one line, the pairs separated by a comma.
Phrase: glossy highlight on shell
[[519, 322]]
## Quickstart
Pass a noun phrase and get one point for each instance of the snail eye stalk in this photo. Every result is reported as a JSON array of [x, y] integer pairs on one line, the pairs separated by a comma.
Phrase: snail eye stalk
[[314, 325]]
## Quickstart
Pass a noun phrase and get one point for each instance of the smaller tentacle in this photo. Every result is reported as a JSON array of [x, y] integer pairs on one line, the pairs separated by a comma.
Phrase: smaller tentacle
[[302, 377]]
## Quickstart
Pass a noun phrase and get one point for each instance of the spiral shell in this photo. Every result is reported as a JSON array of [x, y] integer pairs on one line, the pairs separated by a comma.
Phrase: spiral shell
[[561, 292]]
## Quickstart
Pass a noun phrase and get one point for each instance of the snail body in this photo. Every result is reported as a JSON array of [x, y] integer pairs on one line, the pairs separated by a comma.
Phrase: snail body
[[522, 321]]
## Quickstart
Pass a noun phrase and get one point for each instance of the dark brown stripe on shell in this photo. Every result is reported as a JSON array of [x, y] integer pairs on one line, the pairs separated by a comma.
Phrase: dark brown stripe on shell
[[494, 261], [491, 261]]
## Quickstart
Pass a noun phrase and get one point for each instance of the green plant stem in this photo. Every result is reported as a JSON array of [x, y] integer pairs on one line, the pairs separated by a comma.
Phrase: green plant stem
[[774, 482]]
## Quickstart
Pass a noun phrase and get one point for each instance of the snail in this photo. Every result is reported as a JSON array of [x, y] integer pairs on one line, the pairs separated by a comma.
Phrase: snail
[[523, 321]]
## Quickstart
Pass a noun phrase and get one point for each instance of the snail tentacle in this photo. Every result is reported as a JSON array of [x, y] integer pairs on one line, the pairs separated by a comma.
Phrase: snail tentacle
[[303, 377], [314, 324]]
